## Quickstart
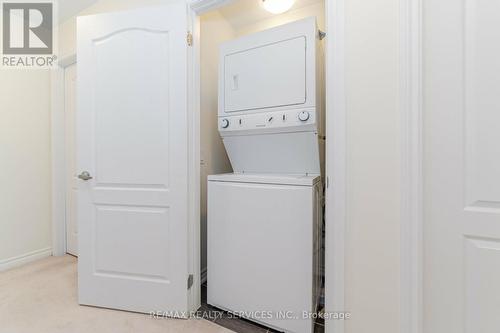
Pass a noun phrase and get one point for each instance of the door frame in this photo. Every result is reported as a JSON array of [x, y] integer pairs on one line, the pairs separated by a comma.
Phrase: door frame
[[58, 145], [411, 232], [335, 200], [335, 153], [66, 64], [336, 163]]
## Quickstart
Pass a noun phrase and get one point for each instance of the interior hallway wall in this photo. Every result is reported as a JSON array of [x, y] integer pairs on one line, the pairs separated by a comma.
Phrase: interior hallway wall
[[372, 276], [25, 166]]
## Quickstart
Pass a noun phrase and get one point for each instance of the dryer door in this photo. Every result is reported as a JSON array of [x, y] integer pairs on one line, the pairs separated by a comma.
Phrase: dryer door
[[267, 76]]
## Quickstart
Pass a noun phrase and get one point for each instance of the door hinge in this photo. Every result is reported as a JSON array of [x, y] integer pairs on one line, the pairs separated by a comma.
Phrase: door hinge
[[189, 38], [190, 281], [327, 182]]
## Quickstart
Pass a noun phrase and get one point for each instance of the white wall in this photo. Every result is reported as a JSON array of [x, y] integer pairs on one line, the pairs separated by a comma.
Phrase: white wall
[[214, 30], [25, 174], [373, 165]]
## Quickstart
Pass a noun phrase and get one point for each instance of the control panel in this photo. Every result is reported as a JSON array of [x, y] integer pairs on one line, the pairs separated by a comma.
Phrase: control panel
[[269, 122]]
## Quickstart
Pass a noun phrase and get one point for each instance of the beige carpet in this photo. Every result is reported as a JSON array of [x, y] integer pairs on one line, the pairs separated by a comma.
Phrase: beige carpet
[[40, 297]]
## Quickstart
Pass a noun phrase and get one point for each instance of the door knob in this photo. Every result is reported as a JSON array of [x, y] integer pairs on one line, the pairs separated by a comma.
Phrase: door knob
[[85, 176]]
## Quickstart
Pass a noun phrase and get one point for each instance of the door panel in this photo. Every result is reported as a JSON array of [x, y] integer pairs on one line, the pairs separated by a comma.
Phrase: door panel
[[482, 68], [122, 253], [482, 271], [461, 163], [132, 139], [135, 139]]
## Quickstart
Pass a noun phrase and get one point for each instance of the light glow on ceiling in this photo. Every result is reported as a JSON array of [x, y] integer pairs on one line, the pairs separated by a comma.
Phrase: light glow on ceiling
[[277, 6]]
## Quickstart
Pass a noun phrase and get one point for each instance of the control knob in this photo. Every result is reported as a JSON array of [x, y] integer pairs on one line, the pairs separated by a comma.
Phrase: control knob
[[304, 116], [225, 123]]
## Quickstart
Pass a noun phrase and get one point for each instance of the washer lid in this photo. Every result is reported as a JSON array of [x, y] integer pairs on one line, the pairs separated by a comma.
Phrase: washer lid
[[304, 180]]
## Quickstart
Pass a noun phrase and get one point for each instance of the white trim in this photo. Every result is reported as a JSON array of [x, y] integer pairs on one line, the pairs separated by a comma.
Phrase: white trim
[[58, 156], [200, 7], [204, 275], [411, 164], [335, 163], [67, 61], [9, 263], [194, 159], [197, 8]]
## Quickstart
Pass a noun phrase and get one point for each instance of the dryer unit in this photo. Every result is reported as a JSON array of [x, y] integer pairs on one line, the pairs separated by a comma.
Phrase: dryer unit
[[271, 100]]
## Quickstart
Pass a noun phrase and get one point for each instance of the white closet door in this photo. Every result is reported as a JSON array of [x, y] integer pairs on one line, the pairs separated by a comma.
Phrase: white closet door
[[461, 166], [71, 180], [132, 135]]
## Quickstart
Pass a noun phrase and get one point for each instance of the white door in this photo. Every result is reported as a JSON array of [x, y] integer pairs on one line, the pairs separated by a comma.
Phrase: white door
[[132, 140], [461, 166], [71, 180]]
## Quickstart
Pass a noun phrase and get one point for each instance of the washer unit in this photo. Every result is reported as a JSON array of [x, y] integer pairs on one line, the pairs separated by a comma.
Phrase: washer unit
[[264, 220], [263, 248]]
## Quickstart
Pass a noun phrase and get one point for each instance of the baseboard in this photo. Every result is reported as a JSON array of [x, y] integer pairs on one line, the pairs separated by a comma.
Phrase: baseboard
[[9, 263], [203, 274]]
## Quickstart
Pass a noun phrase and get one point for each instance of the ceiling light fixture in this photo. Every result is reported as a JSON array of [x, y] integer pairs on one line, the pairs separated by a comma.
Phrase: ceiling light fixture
[[277, 6]]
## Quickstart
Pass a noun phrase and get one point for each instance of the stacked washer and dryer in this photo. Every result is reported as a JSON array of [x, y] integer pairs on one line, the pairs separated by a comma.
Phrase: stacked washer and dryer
[[264, 220]]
